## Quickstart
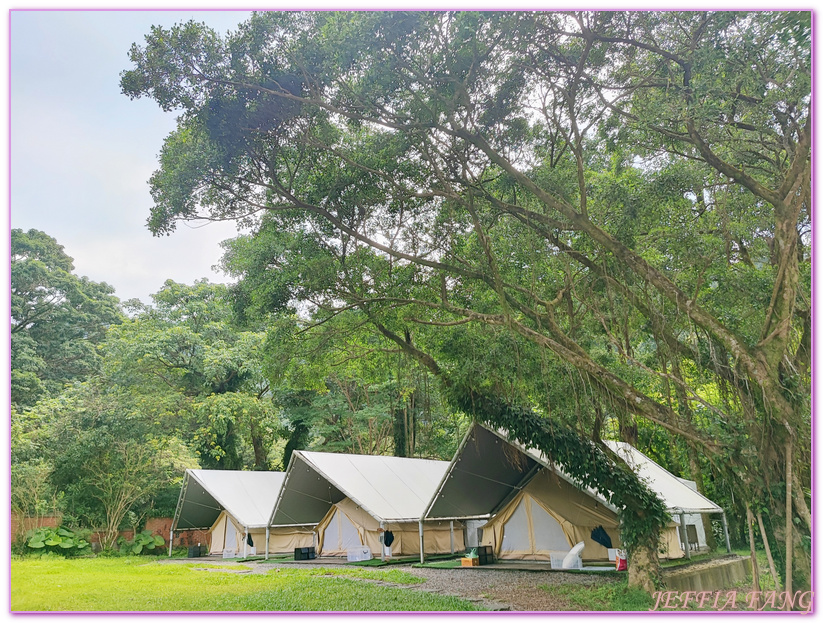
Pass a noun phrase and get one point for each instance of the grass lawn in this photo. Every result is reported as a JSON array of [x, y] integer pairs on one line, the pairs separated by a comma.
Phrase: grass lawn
[[616, 596], [141, 584]]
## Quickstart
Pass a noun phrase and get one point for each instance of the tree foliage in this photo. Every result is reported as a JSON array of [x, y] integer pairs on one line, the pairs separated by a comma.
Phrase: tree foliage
[[57, 318], [625, 196], [185, 363]]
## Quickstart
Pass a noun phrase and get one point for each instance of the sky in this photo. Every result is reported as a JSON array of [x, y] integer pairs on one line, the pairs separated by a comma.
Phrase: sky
[[81, 153]]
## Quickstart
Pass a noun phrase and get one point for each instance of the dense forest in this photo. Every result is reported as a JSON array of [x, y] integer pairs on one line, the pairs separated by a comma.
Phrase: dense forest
[[573, 226], [111, 402]]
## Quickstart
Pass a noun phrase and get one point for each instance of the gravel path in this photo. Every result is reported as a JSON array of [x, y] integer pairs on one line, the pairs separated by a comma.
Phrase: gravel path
[[502, 589], [493, 589]]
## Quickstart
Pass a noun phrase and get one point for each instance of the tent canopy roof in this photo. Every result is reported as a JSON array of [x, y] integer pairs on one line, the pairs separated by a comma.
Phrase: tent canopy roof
[[391, 489], [247, 496], [489, 469], [675, 493], [487, 472]]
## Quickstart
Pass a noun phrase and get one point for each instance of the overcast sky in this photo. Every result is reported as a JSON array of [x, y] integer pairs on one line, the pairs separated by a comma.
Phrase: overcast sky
[[82, 153]]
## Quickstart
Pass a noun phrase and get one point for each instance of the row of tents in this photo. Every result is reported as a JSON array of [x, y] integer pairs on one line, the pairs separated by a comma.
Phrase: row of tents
[[495, 492]]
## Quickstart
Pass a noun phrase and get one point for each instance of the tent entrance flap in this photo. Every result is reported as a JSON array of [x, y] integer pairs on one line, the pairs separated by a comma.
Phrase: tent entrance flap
[[337, 534], [530, 532]]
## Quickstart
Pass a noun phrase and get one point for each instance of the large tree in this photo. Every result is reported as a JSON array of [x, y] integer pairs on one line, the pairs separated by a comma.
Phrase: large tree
[[629, 193], [197, 374], [57, 318]]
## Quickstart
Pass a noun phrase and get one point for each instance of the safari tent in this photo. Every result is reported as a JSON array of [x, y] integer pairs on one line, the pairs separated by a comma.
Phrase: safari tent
[[533, 510], [350, 498], [234, 506], [683, 502]]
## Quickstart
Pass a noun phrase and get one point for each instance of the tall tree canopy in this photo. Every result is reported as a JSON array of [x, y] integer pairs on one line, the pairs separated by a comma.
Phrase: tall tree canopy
[[57, 318], [197, 374], [627, 193]]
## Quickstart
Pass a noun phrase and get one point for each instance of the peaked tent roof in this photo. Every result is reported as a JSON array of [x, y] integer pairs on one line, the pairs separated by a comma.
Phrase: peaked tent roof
[[389, 488], [485, 475], [675, 493], [247, 496]]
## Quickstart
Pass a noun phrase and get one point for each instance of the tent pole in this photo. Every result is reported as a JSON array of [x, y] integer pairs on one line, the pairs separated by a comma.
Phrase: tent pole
[[267, 542], [382, 541], [246, 544], [420, 530], [726, 532], [451, 536], [685, 535], [171, 539]]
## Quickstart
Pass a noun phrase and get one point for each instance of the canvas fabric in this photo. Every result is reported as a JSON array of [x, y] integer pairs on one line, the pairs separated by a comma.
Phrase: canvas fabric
[[347, 518], [549, 516], [337, 533], [227, 533], [670, 542]]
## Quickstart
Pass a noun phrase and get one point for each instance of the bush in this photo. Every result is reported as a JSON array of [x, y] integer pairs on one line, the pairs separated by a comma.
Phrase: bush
[[60, 541], [144, 542]]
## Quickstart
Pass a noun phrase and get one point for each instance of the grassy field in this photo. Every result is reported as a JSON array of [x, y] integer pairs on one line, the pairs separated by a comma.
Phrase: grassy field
[[141, 584], [615, 596]]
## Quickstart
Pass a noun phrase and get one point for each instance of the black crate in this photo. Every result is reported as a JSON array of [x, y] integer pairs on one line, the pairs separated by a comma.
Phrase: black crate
[[304, 553], [485, 554], [194, 551]]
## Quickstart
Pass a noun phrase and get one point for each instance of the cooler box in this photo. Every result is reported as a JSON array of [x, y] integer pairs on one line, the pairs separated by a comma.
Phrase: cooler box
[[358, 553]]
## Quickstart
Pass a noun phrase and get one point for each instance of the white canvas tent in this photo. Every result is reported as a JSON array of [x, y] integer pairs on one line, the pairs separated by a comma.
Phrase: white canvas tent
[[694, 520], [680, 496], [547, 517], [351, 498], [235, 506], [533, 508]]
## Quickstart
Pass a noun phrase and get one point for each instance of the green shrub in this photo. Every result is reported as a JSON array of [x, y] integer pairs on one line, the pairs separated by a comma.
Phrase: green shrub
[[143, 542], [58, 541]]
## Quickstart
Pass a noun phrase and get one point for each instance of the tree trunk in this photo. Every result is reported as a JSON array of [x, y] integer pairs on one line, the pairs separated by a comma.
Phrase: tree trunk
[[261, 458], [644, 569], [755, 568], [765, 538], [400, 431], [800, 502], [789, 526]]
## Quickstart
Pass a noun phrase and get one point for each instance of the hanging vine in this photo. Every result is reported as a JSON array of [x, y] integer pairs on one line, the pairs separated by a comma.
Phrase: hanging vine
[[640, 512]]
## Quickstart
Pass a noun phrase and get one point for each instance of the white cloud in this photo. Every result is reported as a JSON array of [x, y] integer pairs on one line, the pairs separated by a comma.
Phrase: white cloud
[[142, 263]]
